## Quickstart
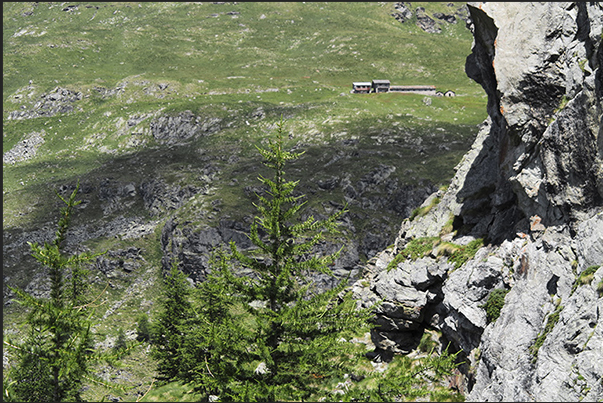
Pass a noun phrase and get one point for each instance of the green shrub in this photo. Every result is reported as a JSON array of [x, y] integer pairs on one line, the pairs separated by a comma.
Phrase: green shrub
[[448, 228], [427, 344], [494, 304], [586, 277], [415, 213], [600, 288], [421, 247], [394, 263], [415, 249], [562, 103]]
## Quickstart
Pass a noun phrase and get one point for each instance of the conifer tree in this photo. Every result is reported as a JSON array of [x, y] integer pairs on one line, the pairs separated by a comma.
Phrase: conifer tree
[[121, 342], [216, 350], [169, 329], [272, 336], [56, 354], [294, 339], [143, 328]]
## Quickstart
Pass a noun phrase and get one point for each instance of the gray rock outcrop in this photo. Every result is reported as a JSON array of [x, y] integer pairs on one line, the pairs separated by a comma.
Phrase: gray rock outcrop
[[191, 246], [25, 149], [531, 188], [426, 23], [159, 197], [403, 14], [175, 129], [59, 101], [126, 260]]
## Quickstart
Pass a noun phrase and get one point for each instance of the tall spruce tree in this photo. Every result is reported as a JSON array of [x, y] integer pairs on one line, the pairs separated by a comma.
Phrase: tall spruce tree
[[171, 324], [272, 336], [216, 356], [55, 356]]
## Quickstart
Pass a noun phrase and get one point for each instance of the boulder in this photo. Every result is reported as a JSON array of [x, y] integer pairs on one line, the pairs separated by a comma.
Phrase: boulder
[[426, 23], [25, 149]]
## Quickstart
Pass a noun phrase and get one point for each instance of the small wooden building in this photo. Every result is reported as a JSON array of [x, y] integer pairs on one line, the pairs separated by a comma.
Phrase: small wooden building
[[361, 87], [380, 85], [376, 86], [414, 89]]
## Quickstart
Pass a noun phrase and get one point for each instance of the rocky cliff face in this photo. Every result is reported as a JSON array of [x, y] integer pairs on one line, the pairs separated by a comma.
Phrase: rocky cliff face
[[532, 188]]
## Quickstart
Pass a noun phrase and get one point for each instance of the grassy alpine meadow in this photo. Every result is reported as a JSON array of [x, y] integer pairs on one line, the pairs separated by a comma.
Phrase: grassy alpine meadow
[[226, 61], [84, 85]]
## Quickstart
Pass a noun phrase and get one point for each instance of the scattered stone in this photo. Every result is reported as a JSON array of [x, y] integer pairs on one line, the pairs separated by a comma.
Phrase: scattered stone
[[25, 149], [451, 19], [426, 23], [58, 101], [403, 13]]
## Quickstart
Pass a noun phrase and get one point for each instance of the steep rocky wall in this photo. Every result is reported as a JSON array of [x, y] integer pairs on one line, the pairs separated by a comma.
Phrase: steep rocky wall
[[538, 63], [531, 187]]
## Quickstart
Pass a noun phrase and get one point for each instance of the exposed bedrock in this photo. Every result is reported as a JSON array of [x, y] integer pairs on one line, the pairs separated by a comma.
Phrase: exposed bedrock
[[531, 188]]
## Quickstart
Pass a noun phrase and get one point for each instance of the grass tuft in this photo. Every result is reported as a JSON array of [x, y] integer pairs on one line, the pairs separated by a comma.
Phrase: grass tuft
[[494, 304], [551, 321], [422, 211], [465, 253], [586, 277]]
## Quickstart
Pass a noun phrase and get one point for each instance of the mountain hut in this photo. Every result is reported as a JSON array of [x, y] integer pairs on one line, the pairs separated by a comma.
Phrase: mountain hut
[[414, 89], [361, 87], [381, 85]]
